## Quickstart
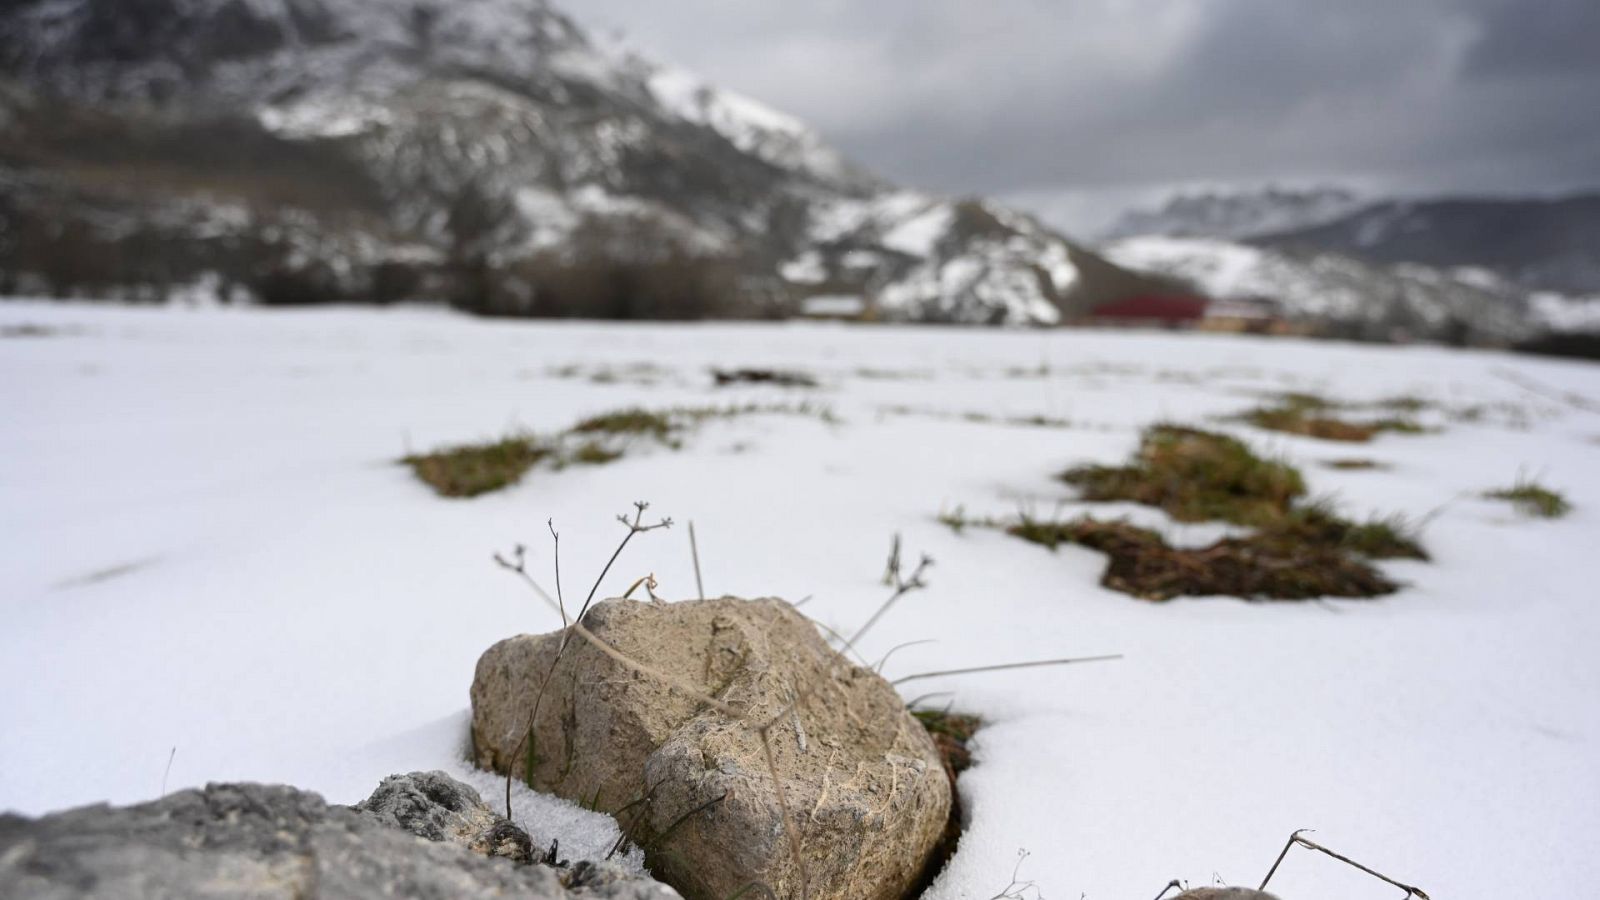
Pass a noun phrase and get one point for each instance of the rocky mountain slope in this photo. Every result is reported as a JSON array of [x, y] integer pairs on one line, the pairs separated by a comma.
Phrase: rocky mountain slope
[[487, 151]]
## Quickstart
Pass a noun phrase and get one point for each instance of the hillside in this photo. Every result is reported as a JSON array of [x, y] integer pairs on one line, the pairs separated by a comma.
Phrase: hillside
[[1542, 244], [485, 151]]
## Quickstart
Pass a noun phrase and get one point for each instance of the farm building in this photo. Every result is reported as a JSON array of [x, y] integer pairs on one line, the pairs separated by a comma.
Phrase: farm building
[[1152, 310]]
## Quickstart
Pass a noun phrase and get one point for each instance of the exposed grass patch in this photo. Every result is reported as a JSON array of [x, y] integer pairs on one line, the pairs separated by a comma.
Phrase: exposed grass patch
[[592, 453], [1195, 476], [952, 736], [632, 422], [1297, 550], [468, 470], [473, 469], [1390, 537], [775, 377], [1267, 565], [1533, 499], [982, 418], [29, 330], [1313, 416], [1354, 464]]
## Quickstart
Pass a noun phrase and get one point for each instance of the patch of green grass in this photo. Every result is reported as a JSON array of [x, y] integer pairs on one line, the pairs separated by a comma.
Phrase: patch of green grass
[[472, 469], [1316, 523], [1533, 499], [1195, 476]]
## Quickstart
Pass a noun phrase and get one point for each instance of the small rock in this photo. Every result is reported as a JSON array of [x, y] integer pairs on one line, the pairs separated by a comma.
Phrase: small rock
[[237, 841], [689, 783], [435, 806]]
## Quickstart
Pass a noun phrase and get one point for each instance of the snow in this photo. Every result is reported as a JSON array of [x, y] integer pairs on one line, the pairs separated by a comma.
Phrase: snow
[[918, 234], [1564, 313], [208, 547]]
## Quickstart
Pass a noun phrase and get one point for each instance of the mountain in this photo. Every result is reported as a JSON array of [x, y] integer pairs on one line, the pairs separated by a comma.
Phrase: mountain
[[1237, 215], [1343, 296], [1544, 244], [486, 151]]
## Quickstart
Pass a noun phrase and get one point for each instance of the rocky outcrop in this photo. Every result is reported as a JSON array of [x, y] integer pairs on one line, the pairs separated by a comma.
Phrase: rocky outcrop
[[690, 782], [420, 836]]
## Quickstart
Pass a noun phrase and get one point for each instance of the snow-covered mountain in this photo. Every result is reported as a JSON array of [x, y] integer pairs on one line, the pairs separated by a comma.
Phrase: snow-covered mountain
[[1238, 215], [487, 150]]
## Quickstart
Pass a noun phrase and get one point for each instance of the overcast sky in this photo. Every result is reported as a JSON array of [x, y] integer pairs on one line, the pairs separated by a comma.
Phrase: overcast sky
[[1070, 104]]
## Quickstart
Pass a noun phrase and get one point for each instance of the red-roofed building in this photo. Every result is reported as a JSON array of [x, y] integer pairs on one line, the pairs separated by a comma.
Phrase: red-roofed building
[[1163, 310]]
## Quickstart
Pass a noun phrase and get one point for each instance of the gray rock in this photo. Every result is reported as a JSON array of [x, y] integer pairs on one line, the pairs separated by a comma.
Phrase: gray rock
[[1224, 893], [420, 836]]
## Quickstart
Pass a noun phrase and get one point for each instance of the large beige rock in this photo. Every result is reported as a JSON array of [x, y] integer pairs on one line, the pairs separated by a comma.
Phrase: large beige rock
[[861, 777]]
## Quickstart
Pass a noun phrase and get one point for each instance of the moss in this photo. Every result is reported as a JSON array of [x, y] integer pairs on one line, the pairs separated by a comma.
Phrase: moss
[[472, 469], [1195, 476], [1533, 499]]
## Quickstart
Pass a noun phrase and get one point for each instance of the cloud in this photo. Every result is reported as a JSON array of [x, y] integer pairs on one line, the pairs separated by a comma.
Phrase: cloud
[[1008, 96]]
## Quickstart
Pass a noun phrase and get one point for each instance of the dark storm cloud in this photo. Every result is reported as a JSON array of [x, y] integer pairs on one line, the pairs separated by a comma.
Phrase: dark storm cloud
[[1010, 95]]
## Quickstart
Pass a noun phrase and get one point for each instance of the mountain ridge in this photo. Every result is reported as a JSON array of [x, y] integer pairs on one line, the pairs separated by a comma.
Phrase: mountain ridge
[[484, 149]]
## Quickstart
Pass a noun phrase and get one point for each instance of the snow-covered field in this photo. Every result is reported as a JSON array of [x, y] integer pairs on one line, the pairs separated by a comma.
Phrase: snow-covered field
[[208, 546]]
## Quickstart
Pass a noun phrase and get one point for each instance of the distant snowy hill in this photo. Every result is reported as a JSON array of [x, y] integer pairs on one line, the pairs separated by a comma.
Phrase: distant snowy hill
[[1348, 296], [488, 151], [1237, 214], [1493, 269], [1543, 244]]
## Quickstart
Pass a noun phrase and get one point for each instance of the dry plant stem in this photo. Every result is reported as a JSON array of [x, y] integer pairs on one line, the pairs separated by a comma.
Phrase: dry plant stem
[[694, 552], [783, 802], [891, 571], [1311, 845], [1002, 666], [170, 757], [892, 650], [902, 588], [561, 603]]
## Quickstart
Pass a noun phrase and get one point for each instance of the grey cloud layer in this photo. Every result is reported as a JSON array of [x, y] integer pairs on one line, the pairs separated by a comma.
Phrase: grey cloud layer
[[1006, 95]]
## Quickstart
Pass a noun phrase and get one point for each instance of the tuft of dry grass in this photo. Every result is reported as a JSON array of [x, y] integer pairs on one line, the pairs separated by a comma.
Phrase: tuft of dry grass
[[1533, 499], [1195, 476], [468, 470], [1267, 565]]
